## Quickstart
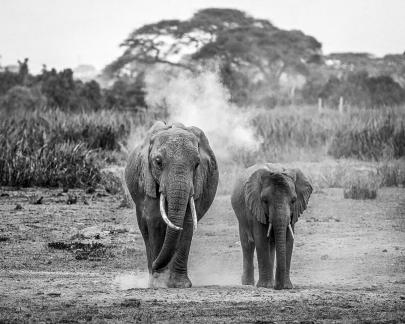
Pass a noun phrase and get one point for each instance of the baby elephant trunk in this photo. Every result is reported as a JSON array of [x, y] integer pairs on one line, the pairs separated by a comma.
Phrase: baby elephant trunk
[[280, 223]]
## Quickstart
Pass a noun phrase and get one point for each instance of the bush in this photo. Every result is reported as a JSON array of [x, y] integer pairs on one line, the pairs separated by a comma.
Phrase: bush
[[54, 165], [358, 89], [286, 132], [100, 131], [392, 173], [63, 92], [358, 191], [60, 90], [21, 99], [361, 183], [8, 80], [104, 130], [371, 136], [126, 95], [54, 149]]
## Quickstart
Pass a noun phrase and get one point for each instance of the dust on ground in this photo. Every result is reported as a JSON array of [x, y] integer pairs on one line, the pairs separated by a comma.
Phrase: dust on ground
[[85, 261]]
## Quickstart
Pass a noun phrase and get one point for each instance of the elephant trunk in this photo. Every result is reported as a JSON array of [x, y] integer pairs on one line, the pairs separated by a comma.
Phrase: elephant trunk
[[280, 233], [177, 195]]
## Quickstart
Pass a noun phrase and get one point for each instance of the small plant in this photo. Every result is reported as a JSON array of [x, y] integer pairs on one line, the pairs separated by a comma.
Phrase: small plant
[[111, 182], [358, 191], [83, 251], [35, 200], [362, 184], [392, 173]]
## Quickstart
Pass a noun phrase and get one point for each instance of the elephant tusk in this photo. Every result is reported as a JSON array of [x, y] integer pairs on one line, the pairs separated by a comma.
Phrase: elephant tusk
[[193, 213], [290, 228], [164, 216], [269, 230]]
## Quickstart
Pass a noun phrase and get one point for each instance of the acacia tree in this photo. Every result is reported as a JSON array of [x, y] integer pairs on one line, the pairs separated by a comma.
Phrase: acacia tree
[[250, 51]]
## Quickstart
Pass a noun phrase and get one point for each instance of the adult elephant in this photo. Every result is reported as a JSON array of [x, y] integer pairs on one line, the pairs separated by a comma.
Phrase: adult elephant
[[267, 200], [172, 177]]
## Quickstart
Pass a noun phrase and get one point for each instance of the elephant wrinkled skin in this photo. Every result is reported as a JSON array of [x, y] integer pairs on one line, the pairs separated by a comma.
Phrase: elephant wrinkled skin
[[267, 200], [172, 177]]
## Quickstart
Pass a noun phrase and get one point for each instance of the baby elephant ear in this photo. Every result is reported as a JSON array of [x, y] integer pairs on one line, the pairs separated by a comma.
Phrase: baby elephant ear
[[253, 187], [303, 189]]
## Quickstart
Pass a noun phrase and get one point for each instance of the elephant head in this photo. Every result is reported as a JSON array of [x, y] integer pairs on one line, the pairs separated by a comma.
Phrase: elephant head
[[277, 197], [171, 166]]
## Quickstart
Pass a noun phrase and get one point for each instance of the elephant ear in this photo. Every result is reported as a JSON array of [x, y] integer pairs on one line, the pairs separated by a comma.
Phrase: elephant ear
[[303, 189], [253, 188], [208, 163], [137, 172]]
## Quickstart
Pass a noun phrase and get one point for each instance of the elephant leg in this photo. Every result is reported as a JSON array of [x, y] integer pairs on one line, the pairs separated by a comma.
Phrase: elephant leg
[[248, 248], [289, 249], [178, 267], [143, 227], [263, 255], [272, 244], [156, 227], [156, 230]]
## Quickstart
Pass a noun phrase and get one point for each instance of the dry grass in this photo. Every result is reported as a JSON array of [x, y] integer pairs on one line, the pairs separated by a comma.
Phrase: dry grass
[[305, 134], [371, 135], [361, 183], [55, 148]]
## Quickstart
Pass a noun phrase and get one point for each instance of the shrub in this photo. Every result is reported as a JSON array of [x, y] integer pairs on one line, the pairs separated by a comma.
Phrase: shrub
[[22, 99], [8, 80], [111, 180], [288, 132], [361, 183], [54, 165], [358, 191], [126, 95], [392, 173], [37, 149], [304, 133], [59, 88], [371, 136], [358, 89]]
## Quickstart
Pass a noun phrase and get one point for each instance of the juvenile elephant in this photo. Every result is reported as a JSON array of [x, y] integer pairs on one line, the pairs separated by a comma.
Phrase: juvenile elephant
[[267, 200], [172, 177]]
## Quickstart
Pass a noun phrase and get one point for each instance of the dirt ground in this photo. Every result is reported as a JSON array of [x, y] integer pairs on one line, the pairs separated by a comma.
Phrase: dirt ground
[[85, 261]]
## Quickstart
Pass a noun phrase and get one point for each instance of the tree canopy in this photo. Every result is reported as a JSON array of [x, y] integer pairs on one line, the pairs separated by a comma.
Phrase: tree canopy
[[228, 35]]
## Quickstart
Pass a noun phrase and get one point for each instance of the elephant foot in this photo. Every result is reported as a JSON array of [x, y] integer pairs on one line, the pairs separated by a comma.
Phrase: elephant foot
[[177, 280], [159, 279], [248, 280], [265, 284], [286, 285], [278, 286]]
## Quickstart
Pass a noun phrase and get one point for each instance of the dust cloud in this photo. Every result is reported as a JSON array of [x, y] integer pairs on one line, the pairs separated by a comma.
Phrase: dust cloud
[[132, 280], [200, 99]]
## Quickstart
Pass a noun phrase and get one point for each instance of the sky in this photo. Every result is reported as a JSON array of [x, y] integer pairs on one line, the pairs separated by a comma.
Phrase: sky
[[66, 33]]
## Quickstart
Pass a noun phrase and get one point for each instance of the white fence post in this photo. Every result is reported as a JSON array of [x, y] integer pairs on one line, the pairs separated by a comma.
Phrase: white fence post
[[319, 104]]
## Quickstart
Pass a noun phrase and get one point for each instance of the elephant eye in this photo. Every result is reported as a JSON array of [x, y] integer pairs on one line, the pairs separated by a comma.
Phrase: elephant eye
[[158, 162]]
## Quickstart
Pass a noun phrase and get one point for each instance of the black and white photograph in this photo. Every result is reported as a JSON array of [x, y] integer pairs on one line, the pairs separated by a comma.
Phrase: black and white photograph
[[202, 161]]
